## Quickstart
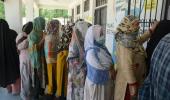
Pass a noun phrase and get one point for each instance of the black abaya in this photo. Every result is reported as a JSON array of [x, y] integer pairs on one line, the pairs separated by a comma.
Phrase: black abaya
[[9, 59]]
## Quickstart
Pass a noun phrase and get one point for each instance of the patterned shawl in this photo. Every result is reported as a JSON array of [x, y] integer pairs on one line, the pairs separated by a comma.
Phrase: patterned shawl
[[34, 39], [65, 38], [98, 58], [52, 40], [128, 32], [76, 47]]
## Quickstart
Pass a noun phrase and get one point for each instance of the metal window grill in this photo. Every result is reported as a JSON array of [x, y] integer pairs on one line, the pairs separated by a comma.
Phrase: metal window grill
[[148, 11]]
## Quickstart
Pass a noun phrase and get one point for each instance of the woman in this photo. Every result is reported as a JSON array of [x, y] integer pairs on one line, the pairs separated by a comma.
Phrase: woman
[[161, 30], [36, 40], [51, 42], [62, 62], [77, 67], [25, 67], [99, 84], [9, 59], [131, 64]]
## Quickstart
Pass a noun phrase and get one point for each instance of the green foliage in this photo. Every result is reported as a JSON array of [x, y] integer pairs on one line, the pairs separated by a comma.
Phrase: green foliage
[[54, 13], [2, 11]]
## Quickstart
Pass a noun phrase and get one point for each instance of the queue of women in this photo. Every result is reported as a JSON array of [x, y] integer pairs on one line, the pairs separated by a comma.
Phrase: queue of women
[[72, 62]]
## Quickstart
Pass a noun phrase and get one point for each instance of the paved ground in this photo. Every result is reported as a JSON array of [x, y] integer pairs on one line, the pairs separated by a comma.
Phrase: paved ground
[[5, 96]]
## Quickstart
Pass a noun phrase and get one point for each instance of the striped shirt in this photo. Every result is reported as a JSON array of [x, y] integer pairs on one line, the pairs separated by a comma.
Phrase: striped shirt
[[157, 84]]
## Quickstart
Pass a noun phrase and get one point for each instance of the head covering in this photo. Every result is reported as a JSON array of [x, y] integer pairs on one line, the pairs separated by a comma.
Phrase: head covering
[[53, 30], [127, 31], [34, 38], [27, 28], [53, 27], [128, 25], [162, 29], [97, 55], [39, 24], [52, 41], [9, 60], [157, 85], [95, 37], [76, 47], [38, 27]]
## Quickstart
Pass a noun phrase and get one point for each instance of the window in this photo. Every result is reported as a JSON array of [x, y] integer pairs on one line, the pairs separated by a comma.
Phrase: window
[[73, 12], [101, 16], [72, 19], [86, 5], [78, 9], [100, 2]]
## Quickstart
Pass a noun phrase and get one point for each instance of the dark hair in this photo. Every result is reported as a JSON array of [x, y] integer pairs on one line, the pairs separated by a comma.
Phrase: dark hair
[[27, 28]]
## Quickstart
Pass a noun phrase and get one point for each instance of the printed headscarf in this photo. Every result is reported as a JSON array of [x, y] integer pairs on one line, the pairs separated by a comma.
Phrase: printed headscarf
[[53, 30], [76, 47], [53, 27], [52, 41], [128, 32], [129, 25]]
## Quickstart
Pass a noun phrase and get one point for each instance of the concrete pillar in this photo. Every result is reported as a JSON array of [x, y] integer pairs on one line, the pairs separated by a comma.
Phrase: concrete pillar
[[29, 10], [92, 9], [81, 8], [13, 14], [36, 10], [168, 13]]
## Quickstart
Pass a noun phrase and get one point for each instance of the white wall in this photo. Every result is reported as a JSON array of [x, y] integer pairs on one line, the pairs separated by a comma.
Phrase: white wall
[[13, 14], [88, 15]]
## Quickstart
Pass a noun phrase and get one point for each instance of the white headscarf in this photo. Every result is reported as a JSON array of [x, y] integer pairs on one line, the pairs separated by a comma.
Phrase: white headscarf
[[97, 54]]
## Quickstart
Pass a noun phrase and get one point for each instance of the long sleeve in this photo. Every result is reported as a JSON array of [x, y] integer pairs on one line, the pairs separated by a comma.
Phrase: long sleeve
[[23, 45], [92, 59], [144, 37]]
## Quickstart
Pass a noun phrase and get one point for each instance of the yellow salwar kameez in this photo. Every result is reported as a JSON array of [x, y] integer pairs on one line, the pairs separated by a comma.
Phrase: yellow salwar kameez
[[62, 69], [51, 42], [61, 72]]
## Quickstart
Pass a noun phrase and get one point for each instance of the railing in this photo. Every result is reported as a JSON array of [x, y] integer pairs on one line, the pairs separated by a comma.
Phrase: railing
[[148, 11]]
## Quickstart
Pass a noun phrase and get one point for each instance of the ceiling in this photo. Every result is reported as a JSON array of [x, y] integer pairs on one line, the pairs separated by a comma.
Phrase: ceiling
[[58, 4]]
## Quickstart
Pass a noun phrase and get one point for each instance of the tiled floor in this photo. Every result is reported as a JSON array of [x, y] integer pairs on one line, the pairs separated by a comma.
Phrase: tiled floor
[[5, 96]]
